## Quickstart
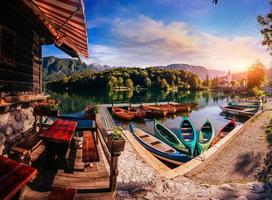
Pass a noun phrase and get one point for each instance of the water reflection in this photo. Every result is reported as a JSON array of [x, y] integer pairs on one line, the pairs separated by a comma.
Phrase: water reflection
[[208, 108]]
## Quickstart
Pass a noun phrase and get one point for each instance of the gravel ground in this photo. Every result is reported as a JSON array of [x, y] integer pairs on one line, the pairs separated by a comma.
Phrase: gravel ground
[[241, 160], [230, 175]]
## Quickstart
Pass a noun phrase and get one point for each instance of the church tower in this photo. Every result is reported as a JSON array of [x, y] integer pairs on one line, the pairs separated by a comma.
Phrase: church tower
[[229, 78]]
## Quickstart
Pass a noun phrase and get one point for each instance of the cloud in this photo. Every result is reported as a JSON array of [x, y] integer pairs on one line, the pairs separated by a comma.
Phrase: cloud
[[144, 41], [99, 21]]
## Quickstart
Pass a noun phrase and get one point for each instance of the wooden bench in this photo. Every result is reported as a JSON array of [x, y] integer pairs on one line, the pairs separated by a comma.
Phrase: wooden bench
[[89, 148], [24, 149], [60, 193]]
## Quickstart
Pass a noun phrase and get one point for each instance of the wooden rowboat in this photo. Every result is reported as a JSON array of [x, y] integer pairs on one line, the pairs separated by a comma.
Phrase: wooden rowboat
[[166, 135], [153, 111], [181, 107], [247, 112], [157, 147], [188, 135], [224, 131], [205, 137], [122, 113], [170, 109], [138, 112]]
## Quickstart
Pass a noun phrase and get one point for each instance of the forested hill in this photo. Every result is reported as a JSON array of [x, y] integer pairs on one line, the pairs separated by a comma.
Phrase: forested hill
[[57, 68], [198, 70], [130, 78]]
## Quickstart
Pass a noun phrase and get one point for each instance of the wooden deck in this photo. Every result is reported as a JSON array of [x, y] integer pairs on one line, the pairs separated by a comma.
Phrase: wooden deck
[[55, 173], [133, 105], [106, 118]]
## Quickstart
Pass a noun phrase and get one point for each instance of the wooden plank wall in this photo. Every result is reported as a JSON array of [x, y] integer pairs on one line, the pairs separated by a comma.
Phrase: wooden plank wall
[[25, 76]]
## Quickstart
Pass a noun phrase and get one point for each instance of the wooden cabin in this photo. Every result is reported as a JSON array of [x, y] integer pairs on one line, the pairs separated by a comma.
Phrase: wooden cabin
[[26, 25]]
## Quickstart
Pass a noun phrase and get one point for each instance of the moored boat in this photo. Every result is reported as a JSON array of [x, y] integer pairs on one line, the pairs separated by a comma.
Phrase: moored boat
[[158, 148], [167, 136], [170, 109], [122, 113], [181, 107], [153, 111], [247, 112], [224, 131], [138, 112], [205, 137], [188, 134]]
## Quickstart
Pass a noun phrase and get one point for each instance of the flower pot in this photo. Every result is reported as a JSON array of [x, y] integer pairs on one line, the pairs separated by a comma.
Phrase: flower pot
[[116, 145]]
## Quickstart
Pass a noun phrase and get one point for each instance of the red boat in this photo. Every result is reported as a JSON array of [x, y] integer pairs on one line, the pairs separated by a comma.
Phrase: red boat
[[122, 113], [138, 112], [170, 109], [224, 131], [154, 111], [181, 107]]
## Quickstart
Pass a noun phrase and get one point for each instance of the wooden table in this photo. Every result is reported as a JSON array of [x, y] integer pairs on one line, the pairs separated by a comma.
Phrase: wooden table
[[13, 176], [58, 136]]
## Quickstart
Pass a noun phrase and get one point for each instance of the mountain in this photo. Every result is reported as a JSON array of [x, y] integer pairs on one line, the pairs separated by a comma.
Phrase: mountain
[[198, 70], [57, 68]]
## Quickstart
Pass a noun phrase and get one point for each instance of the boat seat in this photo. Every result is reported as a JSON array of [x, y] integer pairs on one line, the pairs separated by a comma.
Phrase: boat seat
[[170, 151], [189, 128], [154, 143], [89, 148], [61, 193], [144, 136], [186, 134], [187, 140], [204, 140]]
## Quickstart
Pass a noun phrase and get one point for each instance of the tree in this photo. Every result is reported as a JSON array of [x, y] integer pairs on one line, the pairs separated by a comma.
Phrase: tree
[[266, 23], [129, 83], [164, 85], [120, 81], [207, 81], [147, 82], [232, 83], [112, 82], [255, 75]]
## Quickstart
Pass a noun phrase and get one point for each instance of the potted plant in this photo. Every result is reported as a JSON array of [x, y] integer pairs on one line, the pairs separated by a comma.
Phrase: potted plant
[[48, 107], [91, 111], [116, 141]]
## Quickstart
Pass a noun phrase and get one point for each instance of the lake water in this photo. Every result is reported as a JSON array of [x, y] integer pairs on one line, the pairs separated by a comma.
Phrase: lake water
[[208, 108]]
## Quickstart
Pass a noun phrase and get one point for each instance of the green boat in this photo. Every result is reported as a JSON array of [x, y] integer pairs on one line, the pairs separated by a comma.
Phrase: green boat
[[166, 135], [205, 137], [188, 135]]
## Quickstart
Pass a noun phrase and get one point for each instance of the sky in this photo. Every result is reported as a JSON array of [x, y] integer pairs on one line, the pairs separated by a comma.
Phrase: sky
[[146, 33]]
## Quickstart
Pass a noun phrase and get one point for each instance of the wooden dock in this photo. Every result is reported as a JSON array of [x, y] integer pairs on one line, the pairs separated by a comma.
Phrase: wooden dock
[[134, 105], [106, 118]]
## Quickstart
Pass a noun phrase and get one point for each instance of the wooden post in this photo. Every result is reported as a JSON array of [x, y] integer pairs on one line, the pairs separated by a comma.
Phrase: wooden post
[[113, 170], [40, 123]]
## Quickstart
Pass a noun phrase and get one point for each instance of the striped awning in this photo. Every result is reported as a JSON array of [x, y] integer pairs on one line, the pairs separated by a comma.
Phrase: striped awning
[[66, 21]]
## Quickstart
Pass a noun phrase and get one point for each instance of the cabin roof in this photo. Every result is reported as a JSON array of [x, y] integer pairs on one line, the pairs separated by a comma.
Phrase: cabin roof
[[66, 21]]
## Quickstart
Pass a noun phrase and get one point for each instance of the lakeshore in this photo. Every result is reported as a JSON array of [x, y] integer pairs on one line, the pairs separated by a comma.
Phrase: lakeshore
[[216, 178]]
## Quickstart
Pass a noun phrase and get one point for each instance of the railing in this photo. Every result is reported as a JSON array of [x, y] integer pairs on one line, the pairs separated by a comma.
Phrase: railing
[[111, 157]]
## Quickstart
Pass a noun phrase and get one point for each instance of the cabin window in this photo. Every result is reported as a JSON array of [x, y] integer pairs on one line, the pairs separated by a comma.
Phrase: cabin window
[[7, 47]]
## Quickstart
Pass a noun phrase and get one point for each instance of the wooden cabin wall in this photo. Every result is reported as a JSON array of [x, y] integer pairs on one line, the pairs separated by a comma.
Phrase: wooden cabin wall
[[24, 75]]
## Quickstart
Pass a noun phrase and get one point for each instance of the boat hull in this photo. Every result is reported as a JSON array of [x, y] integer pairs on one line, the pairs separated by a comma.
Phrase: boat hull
[[188, 137], [224, 131], [122, 113], [205, 137], [166, 135], [174, 157]]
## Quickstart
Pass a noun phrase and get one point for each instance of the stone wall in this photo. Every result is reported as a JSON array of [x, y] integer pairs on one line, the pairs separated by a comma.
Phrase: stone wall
[[15, 126]]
